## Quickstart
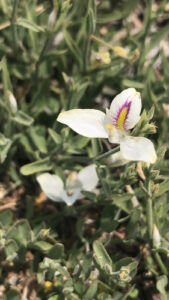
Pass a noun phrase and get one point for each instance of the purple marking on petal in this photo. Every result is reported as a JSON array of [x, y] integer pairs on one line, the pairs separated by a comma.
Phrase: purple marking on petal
[[127, 104], [69, 194]]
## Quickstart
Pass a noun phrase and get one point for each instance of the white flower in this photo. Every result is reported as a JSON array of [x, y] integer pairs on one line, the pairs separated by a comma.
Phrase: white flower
[[53, 186], [124, 113]]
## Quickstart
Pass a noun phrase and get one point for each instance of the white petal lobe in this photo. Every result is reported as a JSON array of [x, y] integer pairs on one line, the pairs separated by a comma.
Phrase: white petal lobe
[[87, 122], [70, 200], [88, 178], [51, 185], [129, 100], [138, 149]]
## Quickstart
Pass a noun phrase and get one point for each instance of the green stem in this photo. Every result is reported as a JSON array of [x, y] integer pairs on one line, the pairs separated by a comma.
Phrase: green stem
[[104, 155], [160, 263], [149, 214], [13, 25], [89, 159]]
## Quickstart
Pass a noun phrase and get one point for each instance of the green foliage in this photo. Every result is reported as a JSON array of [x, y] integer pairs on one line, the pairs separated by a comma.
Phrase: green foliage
[[102, 246]]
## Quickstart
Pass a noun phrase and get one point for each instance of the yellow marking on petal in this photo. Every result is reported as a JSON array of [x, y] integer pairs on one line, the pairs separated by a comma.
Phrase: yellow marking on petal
[[110, 129], [137, 93], [109, 126], [122, 118]]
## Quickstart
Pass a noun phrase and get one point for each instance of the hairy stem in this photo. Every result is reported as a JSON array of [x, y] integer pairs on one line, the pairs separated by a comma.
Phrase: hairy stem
[[149, 214]]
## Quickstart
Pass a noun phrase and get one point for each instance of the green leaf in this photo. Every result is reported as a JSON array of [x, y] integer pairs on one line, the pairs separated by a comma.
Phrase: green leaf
[[163, 188], [72, 45], [56, 297], [37, 135], [6, 218], [120, 11], [129, 264], [134, 84], [55, 136], [29, 25], [161, 285], [56, 251], [5, 145], [22, 118], [37, 166], [13, 294], [6, 77], [11, 249], [41, 245], [20, 232], [102, 257], [91, 291], [158, 36], [124, 202]]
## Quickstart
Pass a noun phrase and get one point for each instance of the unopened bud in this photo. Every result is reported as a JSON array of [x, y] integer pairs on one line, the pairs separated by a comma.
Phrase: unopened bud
[[149, 129], [166, 9], [124, 274], [52, 19], [134, 56], [12, 102], [156, 236], [150, 113], [47, 285], [66, 5], [44, 232]]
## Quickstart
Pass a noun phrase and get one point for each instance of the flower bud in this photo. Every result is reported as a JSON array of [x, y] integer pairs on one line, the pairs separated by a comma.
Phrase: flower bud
[[52, 19], [124, 274], [166, 8], [156, 236], [47, 285], [134, 56], [12, 102]]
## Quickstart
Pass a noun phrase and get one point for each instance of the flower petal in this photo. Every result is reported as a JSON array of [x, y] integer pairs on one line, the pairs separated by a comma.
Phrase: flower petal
[[51, 185], [138, 148], [125, 109], [69, 200], [116, 160], [87, 122], [88, 177]]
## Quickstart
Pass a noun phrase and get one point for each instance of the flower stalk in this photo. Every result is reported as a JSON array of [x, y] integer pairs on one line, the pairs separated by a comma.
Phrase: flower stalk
[[108, 153], [149, 214]]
